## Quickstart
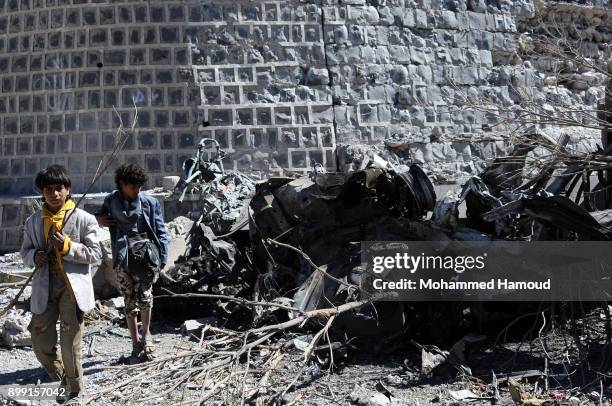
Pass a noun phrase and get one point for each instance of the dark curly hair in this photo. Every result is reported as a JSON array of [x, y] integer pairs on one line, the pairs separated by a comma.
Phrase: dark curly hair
[[52, 175], [131, 174]]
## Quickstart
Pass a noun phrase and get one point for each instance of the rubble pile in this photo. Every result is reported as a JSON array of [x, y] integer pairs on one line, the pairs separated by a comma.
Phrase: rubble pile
[[279, 267], [222, 199], [297, 239], [324, 215], [280, 282]]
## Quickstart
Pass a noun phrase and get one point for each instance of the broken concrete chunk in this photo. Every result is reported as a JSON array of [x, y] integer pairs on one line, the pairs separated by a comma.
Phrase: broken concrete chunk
[[178, 227], [363, 397], [170, 182], [370, 399], [521, 395]]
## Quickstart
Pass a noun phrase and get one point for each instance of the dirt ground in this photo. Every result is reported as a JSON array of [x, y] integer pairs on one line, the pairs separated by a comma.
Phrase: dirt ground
[[359, 374], [374, 372], [362, 377]]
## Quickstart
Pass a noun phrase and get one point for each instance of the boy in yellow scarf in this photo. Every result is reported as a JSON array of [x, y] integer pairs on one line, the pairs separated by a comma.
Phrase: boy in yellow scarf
[[61, 246]]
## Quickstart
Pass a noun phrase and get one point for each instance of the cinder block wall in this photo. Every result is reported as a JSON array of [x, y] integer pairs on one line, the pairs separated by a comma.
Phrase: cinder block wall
[[65, 64], [278, 83], [398, 66]]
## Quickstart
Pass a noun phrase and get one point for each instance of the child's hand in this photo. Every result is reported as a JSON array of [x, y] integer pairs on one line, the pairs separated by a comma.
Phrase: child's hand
[[105, 221], [57, 240], [40, 258]]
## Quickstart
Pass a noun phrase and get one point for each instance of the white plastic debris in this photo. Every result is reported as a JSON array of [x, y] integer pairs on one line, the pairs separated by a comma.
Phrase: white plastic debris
[[115, 303], [463, 395], [195, 326]]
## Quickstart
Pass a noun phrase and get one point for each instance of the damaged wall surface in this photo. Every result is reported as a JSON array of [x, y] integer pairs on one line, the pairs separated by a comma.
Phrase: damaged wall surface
[[280, 84]]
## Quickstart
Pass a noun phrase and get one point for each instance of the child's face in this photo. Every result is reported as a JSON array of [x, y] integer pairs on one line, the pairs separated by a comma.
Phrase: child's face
[[55, 196], [128, 190]]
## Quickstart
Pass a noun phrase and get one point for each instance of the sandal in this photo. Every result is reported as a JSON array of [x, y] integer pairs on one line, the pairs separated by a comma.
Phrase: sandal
[[62, 395], [75, 399], [136, 351], [148, 350]]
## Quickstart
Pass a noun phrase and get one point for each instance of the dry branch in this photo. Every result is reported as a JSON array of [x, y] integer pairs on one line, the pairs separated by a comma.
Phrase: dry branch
[[221, 357]]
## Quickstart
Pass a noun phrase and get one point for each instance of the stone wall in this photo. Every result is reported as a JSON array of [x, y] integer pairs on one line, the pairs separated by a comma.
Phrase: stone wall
[[280, 83], [588, 29], [570, 84], [397, 67], [13, 213], [266, 96]]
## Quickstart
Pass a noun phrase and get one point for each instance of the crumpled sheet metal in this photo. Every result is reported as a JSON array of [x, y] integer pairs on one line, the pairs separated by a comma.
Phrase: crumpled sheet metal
[[332, 200], [327, 215], [501, 204], [324, 215]]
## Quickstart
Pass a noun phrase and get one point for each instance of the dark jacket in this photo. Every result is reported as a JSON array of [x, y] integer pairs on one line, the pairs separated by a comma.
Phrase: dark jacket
[[154, 219]]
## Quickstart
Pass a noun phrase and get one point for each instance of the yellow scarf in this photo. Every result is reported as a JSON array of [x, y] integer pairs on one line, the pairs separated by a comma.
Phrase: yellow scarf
[[56, 220]]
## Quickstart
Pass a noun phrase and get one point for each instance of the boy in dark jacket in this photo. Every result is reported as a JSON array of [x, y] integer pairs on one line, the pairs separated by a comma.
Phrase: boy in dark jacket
[[127, 212]]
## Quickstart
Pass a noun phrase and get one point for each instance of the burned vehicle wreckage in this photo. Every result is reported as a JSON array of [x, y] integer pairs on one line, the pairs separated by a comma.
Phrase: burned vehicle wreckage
[[296, 241]]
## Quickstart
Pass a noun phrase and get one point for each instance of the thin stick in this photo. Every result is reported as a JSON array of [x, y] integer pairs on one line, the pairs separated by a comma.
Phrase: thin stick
[[324, 313], [16, 298], [315, 266], [229, 298], [311, 346]]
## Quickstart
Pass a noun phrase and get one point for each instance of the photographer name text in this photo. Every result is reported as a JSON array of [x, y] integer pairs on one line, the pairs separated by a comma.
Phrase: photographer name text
[[441, 284]]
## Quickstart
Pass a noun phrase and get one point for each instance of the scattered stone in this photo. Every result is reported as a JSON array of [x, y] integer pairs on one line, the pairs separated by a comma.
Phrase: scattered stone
[[394, 380], [463, 395], [178, 227], [14, 328], [369, 398], [364, 397], [302, 342]]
